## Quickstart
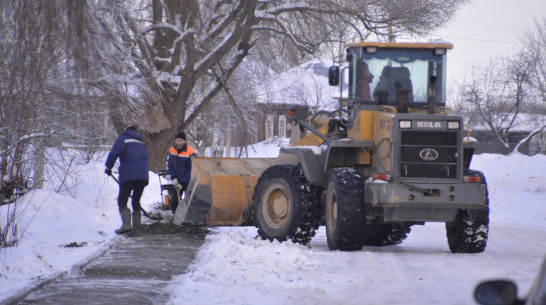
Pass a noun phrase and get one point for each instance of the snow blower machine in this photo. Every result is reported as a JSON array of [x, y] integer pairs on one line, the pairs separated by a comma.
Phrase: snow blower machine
[[390, 157]]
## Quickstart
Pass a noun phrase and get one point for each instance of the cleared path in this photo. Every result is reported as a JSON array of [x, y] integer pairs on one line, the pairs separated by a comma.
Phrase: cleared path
[[133, 272]]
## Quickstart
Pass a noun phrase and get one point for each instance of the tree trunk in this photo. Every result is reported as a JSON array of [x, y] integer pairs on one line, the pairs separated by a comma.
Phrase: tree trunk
[[158, 148], [39, 161]]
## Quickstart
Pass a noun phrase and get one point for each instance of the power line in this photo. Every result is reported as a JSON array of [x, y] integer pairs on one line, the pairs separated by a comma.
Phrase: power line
[[490, 24], [484, 40], [483, 29]]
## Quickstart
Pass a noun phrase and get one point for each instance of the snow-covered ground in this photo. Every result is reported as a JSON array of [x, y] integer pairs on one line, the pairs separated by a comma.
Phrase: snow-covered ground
[[233, 267]]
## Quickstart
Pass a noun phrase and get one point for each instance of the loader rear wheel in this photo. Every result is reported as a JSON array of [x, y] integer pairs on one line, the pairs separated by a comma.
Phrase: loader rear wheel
[[284, 206], [386, 235], [345, 210], [468, 233]]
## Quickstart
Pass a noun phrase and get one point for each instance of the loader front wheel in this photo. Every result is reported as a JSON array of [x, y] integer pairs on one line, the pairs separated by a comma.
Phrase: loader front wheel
[[284, 206], [345, 210], [465, 235], [468, 233]]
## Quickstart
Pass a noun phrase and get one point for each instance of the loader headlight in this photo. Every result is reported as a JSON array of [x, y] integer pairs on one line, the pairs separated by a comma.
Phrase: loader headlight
[[404, 124], [453, 125], [440, 51], [371, 50]]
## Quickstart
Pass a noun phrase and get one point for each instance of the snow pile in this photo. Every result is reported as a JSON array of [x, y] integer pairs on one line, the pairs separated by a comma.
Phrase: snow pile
[[517, 188], [255, 268]]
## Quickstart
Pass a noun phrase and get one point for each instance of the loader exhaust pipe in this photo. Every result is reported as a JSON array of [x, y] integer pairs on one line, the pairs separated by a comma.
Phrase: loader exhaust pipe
[[431, 95]]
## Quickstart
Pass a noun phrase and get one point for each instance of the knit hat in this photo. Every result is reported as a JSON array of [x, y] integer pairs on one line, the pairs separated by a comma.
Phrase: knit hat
[[180, 135]]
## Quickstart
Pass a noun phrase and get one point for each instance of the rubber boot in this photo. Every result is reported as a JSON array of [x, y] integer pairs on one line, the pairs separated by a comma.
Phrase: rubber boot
[[136, 223], [125, 221]]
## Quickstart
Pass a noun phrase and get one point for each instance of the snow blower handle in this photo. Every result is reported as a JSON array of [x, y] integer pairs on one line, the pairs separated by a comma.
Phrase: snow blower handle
[[109, 173]]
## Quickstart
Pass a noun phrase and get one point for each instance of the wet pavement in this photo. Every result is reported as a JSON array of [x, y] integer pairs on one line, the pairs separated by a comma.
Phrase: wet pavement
[[136, 270]]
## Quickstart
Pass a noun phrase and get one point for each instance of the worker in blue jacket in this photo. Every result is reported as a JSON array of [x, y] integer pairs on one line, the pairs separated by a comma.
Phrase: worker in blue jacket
[[179, 165], [133, 176]]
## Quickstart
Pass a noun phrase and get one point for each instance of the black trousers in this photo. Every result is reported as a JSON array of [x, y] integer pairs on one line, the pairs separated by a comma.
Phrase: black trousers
[[125, 189]]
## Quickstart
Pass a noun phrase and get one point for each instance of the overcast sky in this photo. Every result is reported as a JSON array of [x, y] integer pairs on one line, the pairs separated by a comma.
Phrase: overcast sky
[[485, 29]]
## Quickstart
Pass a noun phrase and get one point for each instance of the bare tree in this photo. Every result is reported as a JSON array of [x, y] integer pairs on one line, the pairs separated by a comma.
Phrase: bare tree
[[535, 52], [26, 47], [176, 47], [533, 55], [509, 94], [43, 103], [495, 96]]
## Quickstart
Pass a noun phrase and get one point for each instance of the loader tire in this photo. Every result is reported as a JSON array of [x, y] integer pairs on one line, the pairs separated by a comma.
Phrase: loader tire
[[345, 212], [284, 206], [386, 235], [468, 233]]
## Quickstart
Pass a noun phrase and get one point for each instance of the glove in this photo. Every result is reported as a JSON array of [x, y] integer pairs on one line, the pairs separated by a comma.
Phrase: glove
[[108, 172], [177, 185]]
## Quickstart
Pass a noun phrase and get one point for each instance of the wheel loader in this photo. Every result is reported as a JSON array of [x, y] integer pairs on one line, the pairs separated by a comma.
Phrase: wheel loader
[[390, 157]]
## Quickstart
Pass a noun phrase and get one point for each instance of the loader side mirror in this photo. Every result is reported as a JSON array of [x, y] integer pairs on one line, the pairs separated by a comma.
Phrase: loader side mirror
[[333, 76]]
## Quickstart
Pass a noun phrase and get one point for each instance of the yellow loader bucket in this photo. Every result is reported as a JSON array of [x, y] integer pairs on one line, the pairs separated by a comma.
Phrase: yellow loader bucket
[[220, 191]]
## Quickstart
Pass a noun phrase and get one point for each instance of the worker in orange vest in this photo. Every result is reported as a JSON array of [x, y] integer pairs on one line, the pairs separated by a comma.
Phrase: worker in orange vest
[[179, 165]]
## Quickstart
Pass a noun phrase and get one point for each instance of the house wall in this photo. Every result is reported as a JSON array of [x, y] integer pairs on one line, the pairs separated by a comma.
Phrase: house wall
[[259, 117], [275, 111]]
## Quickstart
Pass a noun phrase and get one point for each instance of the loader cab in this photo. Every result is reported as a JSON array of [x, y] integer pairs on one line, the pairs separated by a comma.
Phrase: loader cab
[[402, 75]]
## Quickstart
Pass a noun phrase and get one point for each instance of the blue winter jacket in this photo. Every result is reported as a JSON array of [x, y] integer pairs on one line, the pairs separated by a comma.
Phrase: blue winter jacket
[[179, 164], [133, 157]]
